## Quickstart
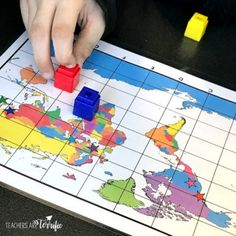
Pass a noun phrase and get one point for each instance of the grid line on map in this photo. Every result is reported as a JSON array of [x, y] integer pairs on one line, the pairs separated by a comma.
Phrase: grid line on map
[[202, 178], [184, 148], [208, 191], [24, 87], [117, 165], [77, 170], [32, 129], [63, 146], [85, 200], [199, 219], [12, 100], [152, 103], [159, 105], [123, 116], [145, 145], [150, 139], [167, 188], [108, 140], [119, 125], [133, 130], [143, 68], [55, 100], [181, 82], [126, 110], [153, 119]]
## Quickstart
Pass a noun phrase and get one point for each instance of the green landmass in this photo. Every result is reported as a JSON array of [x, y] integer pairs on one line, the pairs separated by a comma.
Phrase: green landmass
[[113, 191], [54, 115]]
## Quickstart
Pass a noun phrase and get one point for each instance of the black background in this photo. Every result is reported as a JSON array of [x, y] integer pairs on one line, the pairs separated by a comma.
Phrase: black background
[[150, 28]]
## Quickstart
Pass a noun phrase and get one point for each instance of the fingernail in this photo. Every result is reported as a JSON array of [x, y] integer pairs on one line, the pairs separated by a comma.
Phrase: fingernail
[[47, 75], [70, 66]]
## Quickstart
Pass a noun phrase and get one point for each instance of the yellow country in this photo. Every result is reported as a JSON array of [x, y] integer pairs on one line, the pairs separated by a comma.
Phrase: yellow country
[[12, 131], [43, 143], [6, 143], [175, 128], [69, 154]]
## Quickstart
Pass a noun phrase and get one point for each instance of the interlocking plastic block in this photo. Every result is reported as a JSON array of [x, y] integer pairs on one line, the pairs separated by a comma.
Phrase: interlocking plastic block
[[196, 27], [67, 78], [86, 103]]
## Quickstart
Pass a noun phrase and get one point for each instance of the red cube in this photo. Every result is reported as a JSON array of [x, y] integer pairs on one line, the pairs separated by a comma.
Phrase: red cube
[[67, 78]]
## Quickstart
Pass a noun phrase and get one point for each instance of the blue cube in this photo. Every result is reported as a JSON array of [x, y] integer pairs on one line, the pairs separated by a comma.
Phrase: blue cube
[[86, 103]]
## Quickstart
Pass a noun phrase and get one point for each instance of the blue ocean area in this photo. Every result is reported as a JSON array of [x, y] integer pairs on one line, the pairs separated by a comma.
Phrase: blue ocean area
[[219, 218], [160, 82], [98, 69], [126, 79], [110, 67], [104, 60], [196, 94], [220, 106], [179, 179], [132, 71]]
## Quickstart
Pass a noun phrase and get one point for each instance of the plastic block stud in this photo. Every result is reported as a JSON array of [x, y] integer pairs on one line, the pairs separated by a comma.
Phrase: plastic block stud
[[196, 27]]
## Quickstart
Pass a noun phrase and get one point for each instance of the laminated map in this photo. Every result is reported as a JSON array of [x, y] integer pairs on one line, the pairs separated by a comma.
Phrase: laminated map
[[158, 158]]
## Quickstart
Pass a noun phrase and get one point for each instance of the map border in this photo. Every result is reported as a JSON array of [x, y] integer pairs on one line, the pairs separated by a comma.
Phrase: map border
[[73, 204]]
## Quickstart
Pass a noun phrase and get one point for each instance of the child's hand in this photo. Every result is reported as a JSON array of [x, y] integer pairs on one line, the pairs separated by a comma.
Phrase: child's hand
[[56, 19]]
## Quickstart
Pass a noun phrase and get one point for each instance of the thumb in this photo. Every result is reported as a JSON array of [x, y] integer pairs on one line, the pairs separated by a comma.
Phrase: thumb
[[87, 40]]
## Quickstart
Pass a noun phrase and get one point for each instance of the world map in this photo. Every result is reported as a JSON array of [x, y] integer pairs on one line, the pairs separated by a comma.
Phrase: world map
[[175, 192], [86, 139]]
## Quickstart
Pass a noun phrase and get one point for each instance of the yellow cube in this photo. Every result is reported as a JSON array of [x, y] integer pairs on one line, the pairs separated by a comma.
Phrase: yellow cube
[[196, 27]]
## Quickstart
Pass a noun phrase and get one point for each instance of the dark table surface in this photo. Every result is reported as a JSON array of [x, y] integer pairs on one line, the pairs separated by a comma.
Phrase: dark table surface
[[150, 28]]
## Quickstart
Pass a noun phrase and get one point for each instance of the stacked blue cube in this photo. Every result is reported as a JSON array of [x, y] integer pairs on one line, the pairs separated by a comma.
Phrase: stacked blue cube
[[86, 103]]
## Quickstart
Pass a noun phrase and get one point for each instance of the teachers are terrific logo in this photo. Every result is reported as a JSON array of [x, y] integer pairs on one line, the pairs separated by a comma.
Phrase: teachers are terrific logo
[[46, 223]]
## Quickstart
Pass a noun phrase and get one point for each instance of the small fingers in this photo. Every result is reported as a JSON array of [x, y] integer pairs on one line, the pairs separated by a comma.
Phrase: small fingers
[[63, 28], [87, 40], [89, 36], [24, 12], [40, 31]]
